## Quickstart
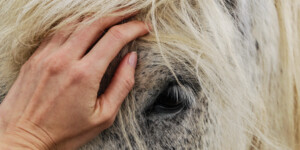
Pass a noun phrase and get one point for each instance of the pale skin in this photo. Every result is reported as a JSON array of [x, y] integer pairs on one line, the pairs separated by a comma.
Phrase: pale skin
[[53, 104]]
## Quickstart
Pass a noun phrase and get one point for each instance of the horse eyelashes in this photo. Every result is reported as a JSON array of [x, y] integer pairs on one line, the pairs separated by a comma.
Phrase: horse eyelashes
[[174, 99]]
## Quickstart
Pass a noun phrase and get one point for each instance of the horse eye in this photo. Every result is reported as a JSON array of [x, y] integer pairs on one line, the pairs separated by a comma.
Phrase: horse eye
[[171, 101]]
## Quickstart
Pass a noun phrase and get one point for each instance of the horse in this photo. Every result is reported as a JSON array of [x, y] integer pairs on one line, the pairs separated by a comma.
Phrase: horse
[[212, 74]]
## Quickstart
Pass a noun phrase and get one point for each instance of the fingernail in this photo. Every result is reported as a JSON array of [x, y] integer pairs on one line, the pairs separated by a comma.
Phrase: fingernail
[[132, 59]]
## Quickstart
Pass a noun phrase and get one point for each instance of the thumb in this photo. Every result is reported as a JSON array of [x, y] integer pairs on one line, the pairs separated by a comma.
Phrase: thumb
[[120, 86]]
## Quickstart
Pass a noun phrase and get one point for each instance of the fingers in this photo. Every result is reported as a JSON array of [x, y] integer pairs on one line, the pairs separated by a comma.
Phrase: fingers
[[118, 89], [76, 42], [85, 36], [63, 34], [113, 41], [51, 44]]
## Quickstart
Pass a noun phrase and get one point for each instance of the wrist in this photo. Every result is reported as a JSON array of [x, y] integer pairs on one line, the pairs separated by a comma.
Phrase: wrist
[[14, 142], [26, 137]]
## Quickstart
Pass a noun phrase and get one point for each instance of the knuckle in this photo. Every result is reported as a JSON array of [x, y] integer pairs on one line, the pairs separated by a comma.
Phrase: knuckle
[[117, 33], [79, 73], [128, 83], [54, 64]]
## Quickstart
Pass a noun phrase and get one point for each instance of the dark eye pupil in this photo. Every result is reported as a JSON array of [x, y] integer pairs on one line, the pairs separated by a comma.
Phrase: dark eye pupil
[[169, 98], [170, 101]]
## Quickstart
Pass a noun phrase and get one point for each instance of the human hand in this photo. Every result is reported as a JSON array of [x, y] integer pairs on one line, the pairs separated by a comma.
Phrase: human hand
[[53, 104]]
